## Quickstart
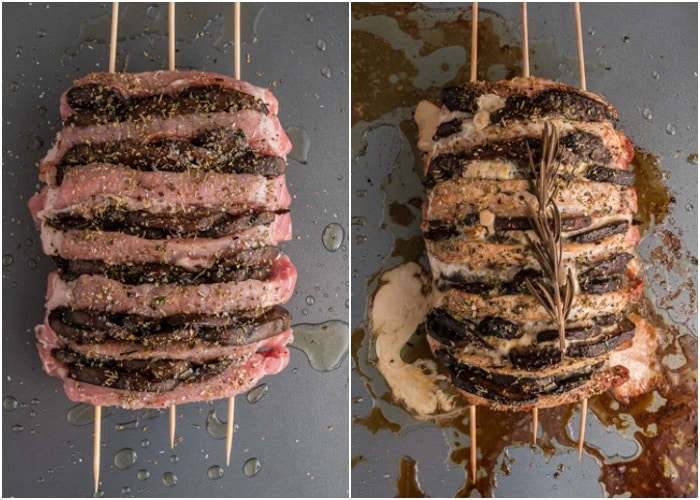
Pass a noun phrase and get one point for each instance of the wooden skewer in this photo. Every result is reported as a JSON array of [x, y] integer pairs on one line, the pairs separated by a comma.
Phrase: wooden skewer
[[237, 40], [582, 427], [472, 408], [535, 418], [171, 36], [172, 420], [113, 38], [96, 444], [237, 75], [172, 423], [475, 39], [579, 39], [526, 49], [472, 435], [582, 76], [526, 74], [97, 438]]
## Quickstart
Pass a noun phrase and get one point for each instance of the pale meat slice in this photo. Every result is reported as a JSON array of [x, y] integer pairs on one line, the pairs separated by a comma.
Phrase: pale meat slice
[[268, 357], [103, 294], [454, 198], [188, 253], [263, 132], [475, 254], [89, 189]]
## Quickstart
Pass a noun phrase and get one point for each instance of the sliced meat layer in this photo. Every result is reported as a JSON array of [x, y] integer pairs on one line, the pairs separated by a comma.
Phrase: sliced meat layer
[[98, 92], [263, 132], [255, 263], [98, 333], [221, 151], [188, 253], [267, 357], [103, 294]]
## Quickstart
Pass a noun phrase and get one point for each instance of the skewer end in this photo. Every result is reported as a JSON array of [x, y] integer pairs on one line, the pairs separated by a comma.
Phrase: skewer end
[[229, 430]]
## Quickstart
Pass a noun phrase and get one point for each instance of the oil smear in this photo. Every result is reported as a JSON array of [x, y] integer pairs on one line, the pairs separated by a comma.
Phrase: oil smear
[[84, 414], [325, 344], [301, 142]]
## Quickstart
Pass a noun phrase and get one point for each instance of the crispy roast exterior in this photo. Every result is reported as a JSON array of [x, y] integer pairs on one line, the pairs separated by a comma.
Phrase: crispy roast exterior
[[500, 345]]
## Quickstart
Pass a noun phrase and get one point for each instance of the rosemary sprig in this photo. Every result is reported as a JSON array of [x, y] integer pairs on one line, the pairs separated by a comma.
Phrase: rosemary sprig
[[556, 291]]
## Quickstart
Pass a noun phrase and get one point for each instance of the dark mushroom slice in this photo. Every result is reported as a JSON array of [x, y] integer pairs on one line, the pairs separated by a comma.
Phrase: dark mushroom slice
[[512, 389], [600, 233], [249, 264], [218, 150], [553, 103], [152, 375], [192, 223], [577, 147], [624, 332], [89, 327], [460, 98], [599, 173], [447, 330], [97, 104]]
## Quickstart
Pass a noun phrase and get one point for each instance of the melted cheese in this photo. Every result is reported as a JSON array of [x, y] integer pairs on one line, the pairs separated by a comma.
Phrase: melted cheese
[[399, 307]]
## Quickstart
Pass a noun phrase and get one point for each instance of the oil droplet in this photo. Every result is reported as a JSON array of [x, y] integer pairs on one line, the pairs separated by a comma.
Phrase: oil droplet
[[655, 75], [31, 264], [215, 427], [9, 403], [152, 12], [126, 490], [689, 207], [333, 237], [310, 17], [174, 459], [301, 142], [215, 472], [324, 344], [84, 414], [127, 425], [19, 51], [143, 474], [17, 428], [257, 393], [41, 32], [14, 87], [251, 467], [671, 129], [648, 113], [169, 479], [145, 443], [98, 494], [124, 458], [326, 71], [321, 44], [310, 300], [591, 31]]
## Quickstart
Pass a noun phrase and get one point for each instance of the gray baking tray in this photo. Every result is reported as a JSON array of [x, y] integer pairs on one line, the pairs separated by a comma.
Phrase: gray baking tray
[[642, 57], [294, 439]]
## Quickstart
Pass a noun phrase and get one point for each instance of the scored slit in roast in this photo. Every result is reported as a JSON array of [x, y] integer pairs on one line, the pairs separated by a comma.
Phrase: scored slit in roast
[[482, 145], [164, 205]]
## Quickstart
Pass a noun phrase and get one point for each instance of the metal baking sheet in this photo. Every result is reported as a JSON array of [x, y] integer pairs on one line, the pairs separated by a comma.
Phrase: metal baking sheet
[[641, 57], [293, 441]]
